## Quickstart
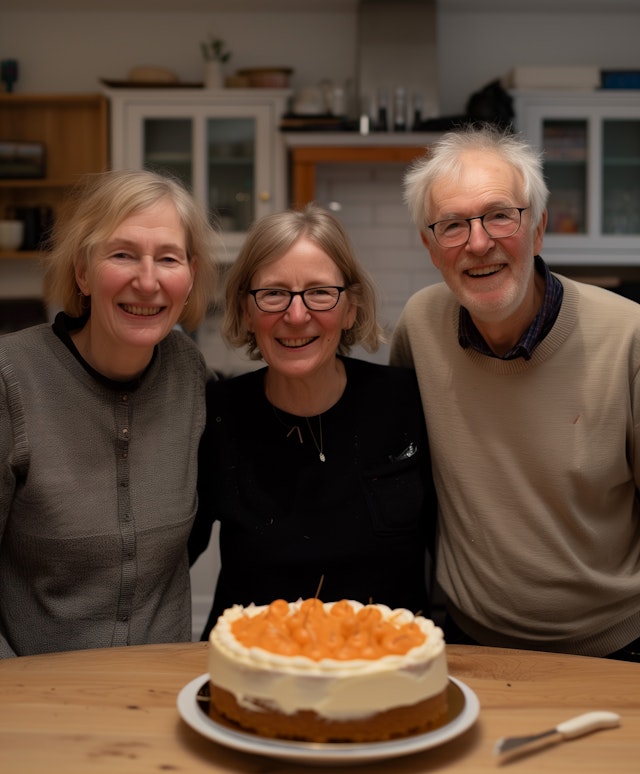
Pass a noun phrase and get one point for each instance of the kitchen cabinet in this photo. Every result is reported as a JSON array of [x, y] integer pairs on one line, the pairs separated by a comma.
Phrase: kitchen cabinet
[[224, 144], [73, 129], [591, 146]]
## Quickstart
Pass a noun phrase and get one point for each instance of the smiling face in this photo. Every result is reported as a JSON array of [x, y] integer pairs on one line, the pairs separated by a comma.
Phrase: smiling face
[[493, 278], [299, 343], [138, 280]]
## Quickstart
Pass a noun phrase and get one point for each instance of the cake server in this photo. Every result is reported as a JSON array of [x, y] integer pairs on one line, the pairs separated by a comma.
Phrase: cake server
[[512, 746]]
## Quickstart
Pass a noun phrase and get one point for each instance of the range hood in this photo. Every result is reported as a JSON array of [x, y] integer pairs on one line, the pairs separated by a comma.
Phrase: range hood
[[397, 51]]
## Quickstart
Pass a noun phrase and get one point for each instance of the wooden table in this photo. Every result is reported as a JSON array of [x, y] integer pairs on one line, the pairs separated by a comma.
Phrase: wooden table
[[114, 710]]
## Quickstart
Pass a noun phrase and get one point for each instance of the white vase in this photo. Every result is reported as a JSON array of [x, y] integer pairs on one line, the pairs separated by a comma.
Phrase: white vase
[[213, 75]]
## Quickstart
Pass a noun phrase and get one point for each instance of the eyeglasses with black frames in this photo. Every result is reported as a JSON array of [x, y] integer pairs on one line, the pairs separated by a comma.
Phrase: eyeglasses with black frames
[[321, 299], [499, 223]]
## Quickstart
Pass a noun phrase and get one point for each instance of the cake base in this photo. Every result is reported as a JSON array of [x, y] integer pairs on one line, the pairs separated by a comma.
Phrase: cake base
[[308, 726]]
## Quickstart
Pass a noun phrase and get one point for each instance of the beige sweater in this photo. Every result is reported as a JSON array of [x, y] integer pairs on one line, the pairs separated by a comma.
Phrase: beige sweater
[[536, 465]]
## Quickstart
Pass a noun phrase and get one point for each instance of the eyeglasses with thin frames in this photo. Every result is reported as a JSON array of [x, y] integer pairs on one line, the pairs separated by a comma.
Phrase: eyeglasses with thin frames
[[499, 223], [320, 299]]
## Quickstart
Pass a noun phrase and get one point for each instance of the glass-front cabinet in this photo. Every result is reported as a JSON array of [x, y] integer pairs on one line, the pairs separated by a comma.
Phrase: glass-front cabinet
[[591, 146], [224, 145]]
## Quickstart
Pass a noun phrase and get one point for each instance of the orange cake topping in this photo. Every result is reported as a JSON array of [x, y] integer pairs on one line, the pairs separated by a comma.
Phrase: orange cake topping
[[339, 632]]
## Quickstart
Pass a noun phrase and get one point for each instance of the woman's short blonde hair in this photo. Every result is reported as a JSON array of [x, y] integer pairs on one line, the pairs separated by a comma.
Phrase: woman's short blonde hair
[[92, 212], [269, 239]]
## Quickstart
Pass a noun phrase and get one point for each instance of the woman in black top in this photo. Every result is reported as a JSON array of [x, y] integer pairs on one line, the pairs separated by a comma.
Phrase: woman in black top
[[317, 466]]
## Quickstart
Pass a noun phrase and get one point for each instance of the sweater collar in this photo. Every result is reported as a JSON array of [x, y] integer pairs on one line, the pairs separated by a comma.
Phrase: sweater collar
[[470, 336]]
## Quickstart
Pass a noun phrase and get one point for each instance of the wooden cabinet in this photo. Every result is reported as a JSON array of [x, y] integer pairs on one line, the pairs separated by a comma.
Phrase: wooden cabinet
[[73, 128], [224, 144], [591, 146]]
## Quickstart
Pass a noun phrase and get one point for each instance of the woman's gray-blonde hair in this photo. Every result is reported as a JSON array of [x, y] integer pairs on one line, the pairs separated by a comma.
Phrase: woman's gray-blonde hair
[[269, 239], [97, 206]]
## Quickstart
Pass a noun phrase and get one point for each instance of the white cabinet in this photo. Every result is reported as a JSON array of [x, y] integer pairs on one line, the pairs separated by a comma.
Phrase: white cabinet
[[591, 145], [224, 144]]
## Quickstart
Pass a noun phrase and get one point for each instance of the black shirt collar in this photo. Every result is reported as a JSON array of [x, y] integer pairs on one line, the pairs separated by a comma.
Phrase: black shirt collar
[[64, 325]]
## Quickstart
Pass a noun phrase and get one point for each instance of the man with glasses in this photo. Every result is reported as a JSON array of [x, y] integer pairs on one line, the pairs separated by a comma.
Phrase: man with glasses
[[531, 388]]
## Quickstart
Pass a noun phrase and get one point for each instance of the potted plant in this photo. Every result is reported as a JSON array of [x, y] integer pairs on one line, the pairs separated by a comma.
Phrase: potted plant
[[215, 54]]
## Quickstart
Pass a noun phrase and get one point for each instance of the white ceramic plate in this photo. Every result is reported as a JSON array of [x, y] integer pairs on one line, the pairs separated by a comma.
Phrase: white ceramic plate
[[464, 712]]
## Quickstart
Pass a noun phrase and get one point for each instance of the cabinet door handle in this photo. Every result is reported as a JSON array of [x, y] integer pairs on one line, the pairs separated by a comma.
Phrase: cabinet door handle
[[265, 196]]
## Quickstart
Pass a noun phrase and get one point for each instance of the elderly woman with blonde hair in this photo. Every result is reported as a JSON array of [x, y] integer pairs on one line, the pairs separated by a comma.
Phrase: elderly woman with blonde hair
[[101, 415], [316, 465]]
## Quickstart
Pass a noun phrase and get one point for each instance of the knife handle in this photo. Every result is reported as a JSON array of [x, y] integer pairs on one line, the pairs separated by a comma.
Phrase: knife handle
[[590, 721]]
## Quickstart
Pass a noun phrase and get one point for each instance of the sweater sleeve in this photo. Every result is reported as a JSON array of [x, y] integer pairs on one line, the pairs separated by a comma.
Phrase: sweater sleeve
[[205, 515], [8, 446], [203, 522], [401, 354]]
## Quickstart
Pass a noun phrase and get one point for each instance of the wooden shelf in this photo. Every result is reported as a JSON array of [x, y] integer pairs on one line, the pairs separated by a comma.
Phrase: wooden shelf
[[74, 131], [13, 254], [73, 128], [39, 183]]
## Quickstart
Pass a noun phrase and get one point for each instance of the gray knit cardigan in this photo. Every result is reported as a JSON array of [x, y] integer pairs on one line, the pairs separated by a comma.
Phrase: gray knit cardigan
[[97, 496]]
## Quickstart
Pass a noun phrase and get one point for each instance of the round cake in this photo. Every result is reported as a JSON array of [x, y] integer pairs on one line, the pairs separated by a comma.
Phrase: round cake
[[328, 672]]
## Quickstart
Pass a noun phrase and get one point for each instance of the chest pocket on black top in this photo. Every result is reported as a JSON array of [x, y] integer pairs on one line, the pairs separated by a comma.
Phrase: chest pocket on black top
[[395, 494]]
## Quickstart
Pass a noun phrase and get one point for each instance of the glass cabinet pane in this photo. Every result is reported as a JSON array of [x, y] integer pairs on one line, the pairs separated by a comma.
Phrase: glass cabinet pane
[[621, 176], [565, 145], [168, 147], [231, 151]]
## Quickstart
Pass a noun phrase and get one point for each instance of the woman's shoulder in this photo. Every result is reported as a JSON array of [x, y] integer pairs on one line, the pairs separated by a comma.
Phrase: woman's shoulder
[[28, 346], [179, 340], [381, 373], [372, 385], [178, 364], [235, 388], [34, 333], [384, 403]]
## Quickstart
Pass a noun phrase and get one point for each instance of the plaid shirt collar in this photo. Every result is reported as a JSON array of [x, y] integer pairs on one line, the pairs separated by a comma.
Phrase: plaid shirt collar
[[469, 336]]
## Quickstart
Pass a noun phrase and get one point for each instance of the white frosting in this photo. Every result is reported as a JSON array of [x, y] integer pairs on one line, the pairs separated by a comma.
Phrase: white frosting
[[337, 690]]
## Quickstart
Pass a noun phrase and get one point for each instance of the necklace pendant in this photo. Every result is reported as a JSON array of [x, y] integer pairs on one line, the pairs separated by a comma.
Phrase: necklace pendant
[[313, 438]]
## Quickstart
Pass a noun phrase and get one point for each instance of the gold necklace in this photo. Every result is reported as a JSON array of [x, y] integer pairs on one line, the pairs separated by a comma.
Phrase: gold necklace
[[319, 448]]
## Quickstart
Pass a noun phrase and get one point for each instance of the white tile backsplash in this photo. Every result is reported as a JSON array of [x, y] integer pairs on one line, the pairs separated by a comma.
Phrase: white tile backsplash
[[384, 238]]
